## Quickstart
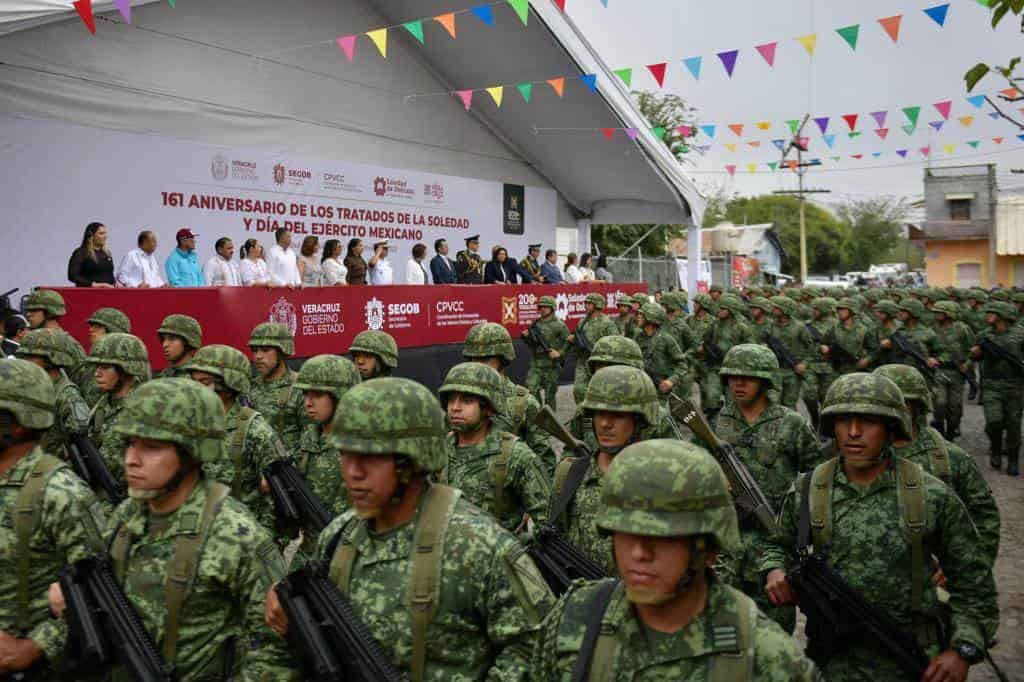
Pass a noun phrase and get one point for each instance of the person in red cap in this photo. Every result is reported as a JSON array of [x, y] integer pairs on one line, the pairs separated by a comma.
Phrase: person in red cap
[[183, 268]]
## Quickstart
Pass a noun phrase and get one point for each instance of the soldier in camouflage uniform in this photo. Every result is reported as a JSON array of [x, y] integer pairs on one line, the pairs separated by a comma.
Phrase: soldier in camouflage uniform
[[272, 393], [323, 380], [886, 322], [670, 619], [1002, 385], [760, 315], [180, 337], [942, 459], [542, 377], [664, 361], [1018, 302], [820, 374], [674, 303], [63, 525], [625, 320], [850, 336], [922, 338], [102, 322], [210, 624], [494, 469], [121, 365], [727, 330], [490, 343], [48, 348], [44, 309], [861, 502], [774, 443], [374, 353], [955, 341], [250, 443], [788, 330], [594, 326], [975, 319], [479, 620]]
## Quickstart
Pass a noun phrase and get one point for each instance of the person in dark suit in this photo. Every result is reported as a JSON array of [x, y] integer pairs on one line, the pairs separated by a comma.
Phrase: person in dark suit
[[549, 268], [469, 266], [442, 268], [498, 270], [531, 264]]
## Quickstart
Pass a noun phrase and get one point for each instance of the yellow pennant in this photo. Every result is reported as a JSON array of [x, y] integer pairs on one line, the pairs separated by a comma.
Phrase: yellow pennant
[[966, 121], [496, 94], [751, 168], [764, 125], [731, 146], [949, 149], [380, 39], [810, 42]]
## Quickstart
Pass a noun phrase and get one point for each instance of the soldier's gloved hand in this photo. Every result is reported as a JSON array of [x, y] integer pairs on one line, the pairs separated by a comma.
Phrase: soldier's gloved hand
[[777, 588], [800, 368], [273, 614], [16, 653], [56, 597], [947, 667], [976, 351], [554, 354], [886, 343]]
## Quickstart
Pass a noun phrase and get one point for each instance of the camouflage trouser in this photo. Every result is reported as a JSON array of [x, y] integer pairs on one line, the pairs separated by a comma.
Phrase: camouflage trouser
[[1003, 403], [742, 572], [948, 400], [816, 383], [580, 380], [711, 394], [790, 388], [542, 382]]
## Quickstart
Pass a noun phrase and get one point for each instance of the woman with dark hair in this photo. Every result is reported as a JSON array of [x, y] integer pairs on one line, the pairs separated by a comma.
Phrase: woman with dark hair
[[253, 269], [586, 274], [334, 269], [415, 270], [603, 274], [91, 264], [354, 262], [572, 271], [498, 270], [309, 266]]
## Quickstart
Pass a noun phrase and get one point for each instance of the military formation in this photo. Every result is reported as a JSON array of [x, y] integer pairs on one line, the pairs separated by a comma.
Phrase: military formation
[[437, 504]]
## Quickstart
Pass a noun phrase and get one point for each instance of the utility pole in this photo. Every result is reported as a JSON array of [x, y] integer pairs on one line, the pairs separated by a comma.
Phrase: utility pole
[[801, 168]]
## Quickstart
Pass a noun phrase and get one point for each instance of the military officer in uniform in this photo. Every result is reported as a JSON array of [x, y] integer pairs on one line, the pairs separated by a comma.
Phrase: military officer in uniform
[[469, 266], [545, 366], [532, 262]]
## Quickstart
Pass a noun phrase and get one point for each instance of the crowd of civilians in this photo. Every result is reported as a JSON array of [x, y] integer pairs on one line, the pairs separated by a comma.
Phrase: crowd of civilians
[[91, 264]]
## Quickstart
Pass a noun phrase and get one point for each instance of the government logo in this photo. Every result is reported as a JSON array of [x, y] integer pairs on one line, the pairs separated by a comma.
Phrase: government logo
[[283, 312], [374, 314]]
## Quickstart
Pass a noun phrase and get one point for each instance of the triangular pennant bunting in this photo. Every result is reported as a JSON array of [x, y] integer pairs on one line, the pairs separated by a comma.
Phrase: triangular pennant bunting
[[561, 4], [693, 65], [994, 115], [764, 125], [909, 129], [976, 101], [658, 71], [466, 96], [773, 165], [348, 46], [84, 9], [882, 132], [949, 148], [590, 80], [938, 13], [380, 39], [1010, 93], [729, 60], [830, 140], [415, 28], [754, 143], [448, 21], [685, 130], [484, 13], [853, 133], [857, 156], [768, 52], [809, 42], [608, 132], [973, 144], [709, 131], [497, 93], [781, 144], [892, 26], [937, 125], [876, 154], [658, 132], [626, 76], [925, 151], [731, 170], [912, 113], [804, 142], [850, 34], [879, 117], [522, 9], [632, 133], [822, 123], [793, 125], [737, 128], [943, 108], [558, 84], [998, 140], [125, 8], [526, 90], [751, 168], [851, 120], [902, 153]]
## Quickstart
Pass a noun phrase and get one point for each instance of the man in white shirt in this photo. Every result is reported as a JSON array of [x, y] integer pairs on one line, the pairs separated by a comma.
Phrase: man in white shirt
[[282, 262], [415, 271], [380, 271], [221, 271], [140, 269]]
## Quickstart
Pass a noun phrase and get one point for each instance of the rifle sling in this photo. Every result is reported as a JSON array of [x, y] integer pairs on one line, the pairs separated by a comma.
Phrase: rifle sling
[[27, 506], [595, 614], [572, 475]]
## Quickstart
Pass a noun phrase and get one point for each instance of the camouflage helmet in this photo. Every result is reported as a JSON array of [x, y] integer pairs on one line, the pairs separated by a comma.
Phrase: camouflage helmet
[[653, 313], [1017, 297], [597, 300], [640, 298], [1005, 310], [948, 308], [377, 343], [914, 307], [273, 335], [184, 326], [873, 295], [887, 307], [706, 302], [668, 488], [616, 350], [717, 288], [751, 360], [761, 303], [230, 364], [474, 378], [48, 301], [979, 295], [391, 416], [910, 382], [178, 411], [850, 304], [787, 305], [489, 340], [48, 344], [27, 392], [1000, 295], [547, 302], [328, 373], [111, 319], [619, 388], [624, 300], [861, 393], [825, 305], [124, 351], [732, 303], [674, 300]]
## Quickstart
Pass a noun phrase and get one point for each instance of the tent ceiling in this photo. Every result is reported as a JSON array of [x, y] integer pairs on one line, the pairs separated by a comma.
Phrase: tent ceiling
[[195, 72]]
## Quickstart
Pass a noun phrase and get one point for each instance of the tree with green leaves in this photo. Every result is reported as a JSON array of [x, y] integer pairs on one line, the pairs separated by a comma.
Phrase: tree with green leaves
[[1000, 10], [872, 227]]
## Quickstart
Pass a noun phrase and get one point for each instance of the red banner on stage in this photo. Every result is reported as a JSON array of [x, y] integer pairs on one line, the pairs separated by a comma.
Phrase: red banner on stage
[[325, 320]]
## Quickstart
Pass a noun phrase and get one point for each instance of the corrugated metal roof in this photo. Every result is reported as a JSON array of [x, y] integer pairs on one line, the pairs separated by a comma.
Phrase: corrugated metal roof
[[1010, 225]]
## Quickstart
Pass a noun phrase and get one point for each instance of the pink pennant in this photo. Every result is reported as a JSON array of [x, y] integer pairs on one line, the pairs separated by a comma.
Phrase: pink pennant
[[944, 108], [466, 96], [685, 131], [731, 170], [632, 133], [882, 132], [998, 140], [348, 45], [125, 8], [768, 52], [925, 151]]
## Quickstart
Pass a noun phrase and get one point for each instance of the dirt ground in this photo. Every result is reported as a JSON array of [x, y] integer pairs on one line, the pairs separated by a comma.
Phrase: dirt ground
[[1009, 493]]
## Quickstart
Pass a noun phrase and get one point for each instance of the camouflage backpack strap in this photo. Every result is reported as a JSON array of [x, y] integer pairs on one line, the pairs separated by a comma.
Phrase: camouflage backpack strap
[[425, 579], [732, 640], [569, 474], [940, 456], [820, 503], [283, 400], [342, 554], [27, 506], [910, 493], [518, 406], [499, 472], [236, 445], [602, 664], [184, 564]]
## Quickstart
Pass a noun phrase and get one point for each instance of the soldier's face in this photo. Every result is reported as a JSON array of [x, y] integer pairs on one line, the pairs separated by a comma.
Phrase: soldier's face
[[174, 348], [36, 360], [149, 464], [861, 438], [106, 377], [366, 363], [319, 406], [651, 567], [207, 380], [96, 332], [546, 312], [265, 359], [473, 246], [903, 315], [991, 319], [371, 481], [724, 313], [590, 308], [844, 314], [36, 318], [744, 390], [466, 413], [613, 429], [715, 294]]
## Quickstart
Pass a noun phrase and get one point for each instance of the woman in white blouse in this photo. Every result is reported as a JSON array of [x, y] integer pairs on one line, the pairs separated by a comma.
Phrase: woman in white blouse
[[309, 264], [253, 269], [586, 274], [573, 274], [334, 269]]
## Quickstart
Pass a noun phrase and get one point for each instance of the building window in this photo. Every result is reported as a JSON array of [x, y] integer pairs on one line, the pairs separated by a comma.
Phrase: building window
[[959, 209]]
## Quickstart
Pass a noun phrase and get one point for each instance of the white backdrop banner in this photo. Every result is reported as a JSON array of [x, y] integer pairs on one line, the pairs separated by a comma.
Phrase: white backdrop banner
[[56, 178]]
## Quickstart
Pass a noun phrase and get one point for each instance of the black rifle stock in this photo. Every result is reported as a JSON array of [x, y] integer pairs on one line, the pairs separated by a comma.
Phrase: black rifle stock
[[990, 347], [786, 358], [537, 337], [89, 465], [837, 355], [907, 347], [750, 500], [712, 349], [296, 507], [332, 642], [104, 629], [581, 341]]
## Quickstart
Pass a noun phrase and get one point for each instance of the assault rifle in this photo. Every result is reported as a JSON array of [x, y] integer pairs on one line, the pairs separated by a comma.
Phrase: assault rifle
[[994, 349], [907, 347], [972, 383], [786, 358], [104, 629], [90, 467], [334, 645], [296, 507], [558, 561], [537, 338], [837, 355], [581, 341], [712, 349], [748, 497]]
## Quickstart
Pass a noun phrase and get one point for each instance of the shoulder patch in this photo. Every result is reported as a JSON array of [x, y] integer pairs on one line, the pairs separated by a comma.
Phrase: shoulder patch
[[530, 588]]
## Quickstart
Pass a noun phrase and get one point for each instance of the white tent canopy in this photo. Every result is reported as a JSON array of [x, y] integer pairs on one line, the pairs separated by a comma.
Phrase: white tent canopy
[[267, 74]]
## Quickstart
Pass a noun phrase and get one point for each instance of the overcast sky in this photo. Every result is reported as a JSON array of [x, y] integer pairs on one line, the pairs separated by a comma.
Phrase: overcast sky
[[924, 67]]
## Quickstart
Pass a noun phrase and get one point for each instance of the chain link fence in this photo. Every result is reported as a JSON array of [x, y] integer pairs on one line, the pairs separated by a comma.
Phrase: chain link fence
[[659, 272]]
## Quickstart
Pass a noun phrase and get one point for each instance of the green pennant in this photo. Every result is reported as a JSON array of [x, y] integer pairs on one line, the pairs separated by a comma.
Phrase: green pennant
[[626, 75], [793, 125], [522, 8], [909, 130], [855, 133], [525, 89], [973, 144], [658, 132], [773, 165], [912, 113], [170, 2], [850, 34], [985, 3], [835, 158], [415, 28]]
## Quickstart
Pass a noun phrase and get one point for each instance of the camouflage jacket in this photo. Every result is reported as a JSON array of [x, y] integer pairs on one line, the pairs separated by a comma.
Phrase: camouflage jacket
[[996, 370], [826, 328], [492, 597], [281, 407], [321, 465], [170, 372], [626, 324], [91, 392], [645, 654], [67, 529], [238, 564], [72, 418], [517, 418], [797, 340], [578, 524], [727, 334], [101, 431], [954, 344], [556, 334], [526, 488], [595, 326], [869, 550], [922, 338], [664, 359], [683, 334], [854, 340], [699, 325]]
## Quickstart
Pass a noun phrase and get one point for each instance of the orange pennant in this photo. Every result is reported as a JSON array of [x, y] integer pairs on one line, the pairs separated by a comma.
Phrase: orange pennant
[[892, 26], [737, 128], [558, 84], [755, 143], [448, 21]]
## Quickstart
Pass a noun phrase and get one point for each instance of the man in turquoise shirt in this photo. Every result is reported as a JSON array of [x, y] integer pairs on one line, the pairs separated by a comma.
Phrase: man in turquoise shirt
[[183, 268]]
